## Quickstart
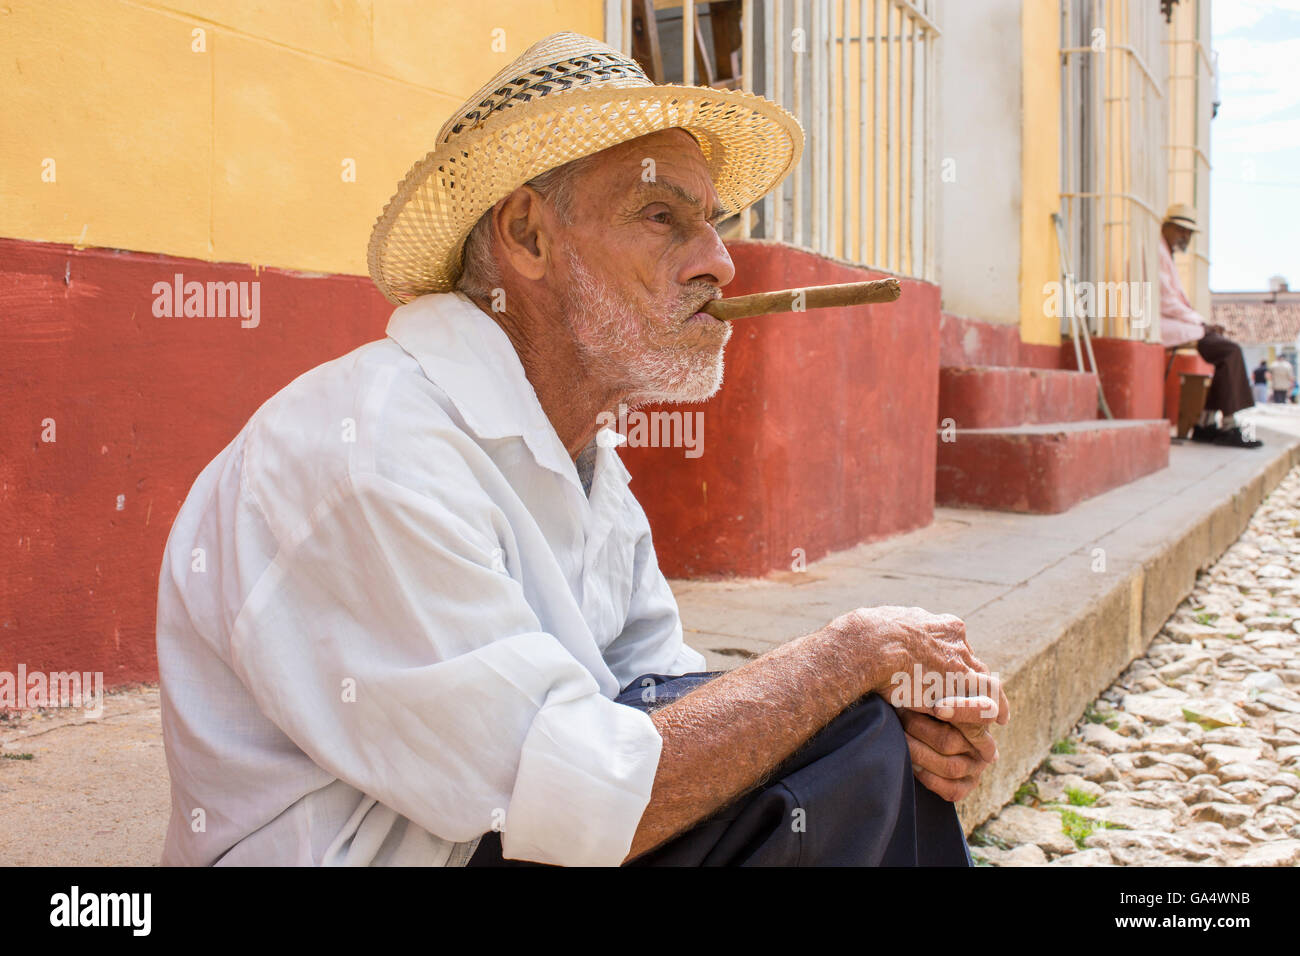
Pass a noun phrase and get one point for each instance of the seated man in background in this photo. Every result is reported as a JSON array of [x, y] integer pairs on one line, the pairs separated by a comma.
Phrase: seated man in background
[[1180, 324]]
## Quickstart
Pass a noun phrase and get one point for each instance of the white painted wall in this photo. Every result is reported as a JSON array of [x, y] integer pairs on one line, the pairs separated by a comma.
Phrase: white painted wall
[[978, 241]]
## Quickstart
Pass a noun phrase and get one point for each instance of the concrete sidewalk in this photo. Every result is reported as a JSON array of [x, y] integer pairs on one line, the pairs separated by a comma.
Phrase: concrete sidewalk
[[92, 792], [1058, 605]]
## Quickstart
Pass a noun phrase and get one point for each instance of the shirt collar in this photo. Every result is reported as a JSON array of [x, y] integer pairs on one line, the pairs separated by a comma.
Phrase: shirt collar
[[466, 354]]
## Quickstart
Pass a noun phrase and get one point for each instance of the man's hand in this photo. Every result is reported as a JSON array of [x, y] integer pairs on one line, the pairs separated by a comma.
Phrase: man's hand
[[914, 647], [947, 758], [724, 737], [945, 695]]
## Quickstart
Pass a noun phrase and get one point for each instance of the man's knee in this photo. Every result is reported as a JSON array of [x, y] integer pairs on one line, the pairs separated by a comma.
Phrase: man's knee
[[885, 712], [875, 718], [1216, 348]]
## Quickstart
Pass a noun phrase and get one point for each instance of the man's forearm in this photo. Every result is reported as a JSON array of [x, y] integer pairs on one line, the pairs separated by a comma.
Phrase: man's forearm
[[724, 738]]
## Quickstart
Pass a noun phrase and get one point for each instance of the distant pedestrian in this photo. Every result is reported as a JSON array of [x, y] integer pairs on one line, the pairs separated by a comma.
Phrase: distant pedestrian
[[1261, 382], [1283, 377]]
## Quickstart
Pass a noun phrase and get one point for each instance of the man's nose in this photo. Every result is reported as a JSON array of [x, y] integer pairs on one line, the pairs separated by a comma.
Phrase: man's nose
[[709, 261]]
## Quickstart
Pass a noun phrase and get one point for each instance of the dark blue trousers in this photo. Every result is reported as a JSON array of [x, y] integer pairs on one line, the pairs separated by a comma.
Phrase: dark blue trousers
[[846, 798]]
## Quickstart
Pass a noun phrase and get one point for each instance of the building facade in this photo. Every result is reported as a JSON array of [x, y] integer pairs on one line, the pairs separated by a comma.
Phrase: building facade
[[251, 146]]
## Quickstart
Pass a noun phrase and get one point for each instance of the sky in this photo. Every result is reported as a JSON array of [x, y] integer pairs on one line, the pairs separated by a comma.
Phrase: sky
[[1255, 145]]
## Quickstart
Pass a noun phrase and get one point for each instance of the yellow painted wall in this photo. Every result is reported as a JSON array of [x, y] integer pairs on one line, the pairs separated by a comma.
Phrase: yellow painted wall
[[1039, 167], [236, 153]]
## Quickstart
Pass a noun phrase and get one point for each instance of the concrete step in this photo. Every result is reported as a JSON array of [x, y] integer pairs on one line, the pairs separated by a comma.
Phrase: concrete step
[[984, 396], [1046, 468]]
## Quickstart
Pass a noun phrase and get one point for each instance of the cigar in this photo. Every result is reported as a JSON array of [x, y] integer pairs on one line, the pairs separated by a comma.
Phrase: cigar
[[813, 297]]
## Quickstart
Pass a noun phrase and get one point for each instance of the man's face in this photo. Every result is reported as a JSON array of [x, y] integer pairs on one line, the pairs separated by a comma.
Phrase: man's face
[[639, 261], [1179, 237]]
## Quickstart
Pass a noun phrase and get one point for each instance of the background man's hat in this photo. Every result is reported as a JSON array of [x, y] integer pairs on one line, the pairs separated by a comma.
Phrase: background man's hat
[[565, 97], [1182, 214]]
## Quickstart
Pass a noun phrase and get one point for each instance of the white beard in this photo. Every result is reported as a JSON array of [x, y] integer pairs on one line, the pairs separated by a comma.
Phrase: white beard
[[617, 340]]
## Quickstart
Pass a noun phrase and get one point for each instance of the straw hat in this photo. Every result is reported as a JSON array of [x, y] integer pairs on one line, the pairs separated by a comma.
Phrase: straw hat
[[1182, 214], [566, 97]]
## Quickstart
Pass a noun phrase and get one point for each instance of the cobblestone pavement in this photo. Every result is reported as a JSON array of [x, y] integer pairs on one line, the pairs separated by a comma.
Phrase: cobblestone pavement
[[1193, 756]]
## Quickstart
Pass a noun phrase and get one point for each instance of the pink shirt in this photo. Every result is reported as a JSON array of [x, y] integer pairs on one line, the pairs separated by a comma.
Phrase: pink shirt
[[1180, 324]]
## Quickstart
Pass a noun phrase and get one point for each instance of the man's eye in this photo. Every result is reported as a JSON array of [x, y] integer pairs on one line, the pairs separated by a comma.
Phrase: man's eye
[[663, 217]]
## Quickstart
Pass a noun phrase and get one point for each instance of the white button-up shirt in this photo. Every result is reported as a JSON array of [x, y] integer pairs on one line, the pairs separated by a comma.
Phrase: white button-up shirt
[[390, 620]]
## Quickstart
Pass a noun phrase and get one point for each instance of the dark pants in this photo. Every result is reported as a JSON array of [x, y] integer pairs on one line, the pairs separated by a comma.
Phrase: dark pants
[[1230, 387], [846, 798]]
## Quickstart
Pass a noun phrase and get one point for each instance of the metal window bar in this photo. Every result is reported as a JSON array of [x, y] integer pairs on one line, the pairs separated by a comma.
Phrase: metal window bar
[[878, 136], [1112, 109], [747, 59], [861, 252], [846, 140], [841, 66], [688, 42], [820, 116], [798, 49]]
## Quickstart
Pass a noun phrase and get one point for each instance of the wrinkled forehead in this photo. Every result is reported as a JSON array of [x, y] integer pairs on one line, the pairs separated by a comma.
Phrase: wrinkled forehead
[[675, 141], [668, 165], [675, 151]]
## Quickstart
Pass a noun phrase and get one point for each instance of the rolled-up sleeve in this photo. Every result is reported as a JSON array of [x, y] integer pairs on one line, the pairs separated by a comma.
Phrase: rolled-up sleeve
[[388, 643]]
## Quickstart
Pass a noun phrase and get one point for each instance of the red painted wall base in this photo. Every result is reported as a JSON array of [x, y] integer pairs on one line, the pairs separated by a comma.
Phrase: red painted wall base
[[1046, 469], [138, 405], [966, 342], [823, 435], [1132, 375]]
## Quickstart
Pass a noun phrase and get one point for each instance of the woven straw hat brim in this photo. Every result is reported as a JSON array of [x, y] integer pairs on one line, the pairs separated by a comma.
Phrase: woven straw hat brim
[[749, 143]]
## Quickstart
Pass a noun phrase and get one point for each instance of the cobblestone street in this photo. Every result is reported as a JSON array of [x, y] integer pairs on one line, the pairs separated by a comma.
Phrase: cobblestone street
[[1193, 756]]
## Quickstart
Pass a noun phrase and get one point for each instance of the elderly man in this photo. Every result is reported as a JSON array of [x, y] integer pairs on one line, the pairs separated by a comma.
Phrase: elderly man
[[1180, 325], [1282, 377], [431, 629]]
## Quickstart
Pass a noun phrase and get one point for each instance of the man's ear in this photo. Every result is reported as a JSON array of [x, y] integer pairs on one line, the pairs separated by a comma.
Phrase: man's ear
[[521, 228]]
